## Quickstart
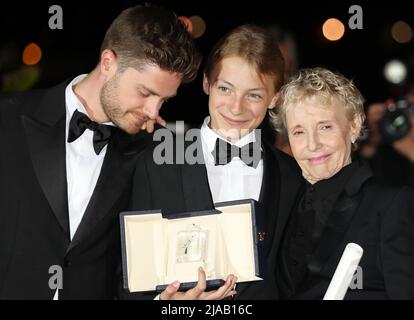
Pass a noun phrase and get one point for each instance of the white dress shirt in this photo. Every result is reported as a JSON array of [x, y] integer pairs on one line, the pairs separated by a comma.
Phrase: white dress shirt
[[83, 165], [235, 180]]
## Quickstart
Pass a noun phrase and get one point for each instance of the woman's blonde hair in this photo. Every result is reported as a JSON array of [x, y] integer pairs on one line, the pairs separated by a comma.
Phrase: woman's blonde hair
[[322, 84]]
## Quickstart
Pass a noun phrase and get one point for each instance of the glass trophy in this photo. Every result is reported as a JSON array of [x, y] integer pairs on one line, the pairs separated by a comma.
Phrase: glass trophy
[[192, 244]]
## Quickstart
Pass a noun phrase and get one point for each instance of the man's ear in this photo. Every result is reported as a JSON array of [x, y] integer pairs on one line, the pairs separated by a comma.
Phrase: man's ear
[[108, 64], [272, 104], [206, 84]]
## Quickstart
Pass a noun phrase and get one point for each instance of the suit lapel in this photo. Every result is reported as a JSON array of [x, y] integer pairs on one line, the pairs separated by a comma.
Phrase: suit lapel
[[280, 188], [45, 134], [335, 230], [268, 205], [329, 245], [196, 188], [115, 174], [290, 189], [269, 194], [339, 219], [44, 127]]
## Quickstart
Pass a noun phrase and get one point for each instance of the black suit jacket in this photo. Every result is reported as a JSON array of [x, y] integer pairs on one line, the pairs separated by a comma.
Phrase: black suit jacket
[[183, 187], [378, 218], [34, 221]]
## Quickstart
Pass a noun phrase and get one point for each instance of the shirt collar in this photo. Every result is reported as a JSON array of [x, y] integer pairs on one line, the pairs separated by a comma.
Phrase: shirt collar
[[72, 101], [331, 188], [209, 136]]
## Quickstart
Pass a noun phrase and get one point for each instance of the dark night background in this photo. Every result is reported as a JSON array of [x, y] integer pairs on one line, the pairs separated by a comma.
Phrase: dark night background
[[360, 54]]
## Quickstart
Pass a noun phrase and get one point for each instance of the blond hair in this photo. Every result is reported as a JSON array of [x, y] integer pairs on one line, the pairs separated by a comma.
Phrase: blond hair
[[322, 84]]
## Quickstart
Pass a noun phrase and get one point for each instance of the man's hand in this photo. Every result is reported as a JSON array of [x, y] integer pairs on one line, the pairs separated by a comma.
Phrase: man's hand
[[198, 292], [150, 124]]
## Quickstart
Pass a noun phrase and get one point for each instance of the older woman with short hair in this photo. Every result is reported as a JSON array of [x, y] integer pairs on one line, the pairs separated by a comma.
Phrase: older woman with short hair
[[322, 114]]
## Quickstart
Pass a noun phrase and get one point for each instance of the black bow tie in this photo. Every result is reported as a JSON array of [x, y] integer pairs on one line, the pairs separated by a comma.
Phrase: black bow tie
[[80, 122], [224, 152]]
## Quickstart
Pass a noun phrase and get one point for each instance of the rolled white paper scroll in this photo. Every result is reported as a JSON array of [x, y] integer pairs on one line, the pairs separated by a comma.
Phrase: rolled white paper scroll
[[344, 272]]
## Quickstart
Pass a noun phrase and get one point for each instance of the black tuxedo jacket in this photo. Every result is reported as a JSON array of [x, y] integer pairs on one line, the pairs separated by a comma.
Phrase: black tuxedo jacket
[[183, 187], [378, 218], [34, 221]]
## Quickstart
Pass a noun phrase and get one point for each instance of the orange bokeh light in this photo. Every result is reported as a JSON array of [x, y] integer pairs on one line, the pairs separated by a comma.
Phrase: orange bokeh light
[[333, 29], [32, 54], [198, 25], [402, 32]]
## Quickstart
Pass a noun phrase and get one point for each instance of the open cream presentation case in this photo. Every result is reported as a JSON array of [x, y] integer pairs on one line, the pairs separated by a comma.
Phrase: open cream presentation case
[[158, 250]]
